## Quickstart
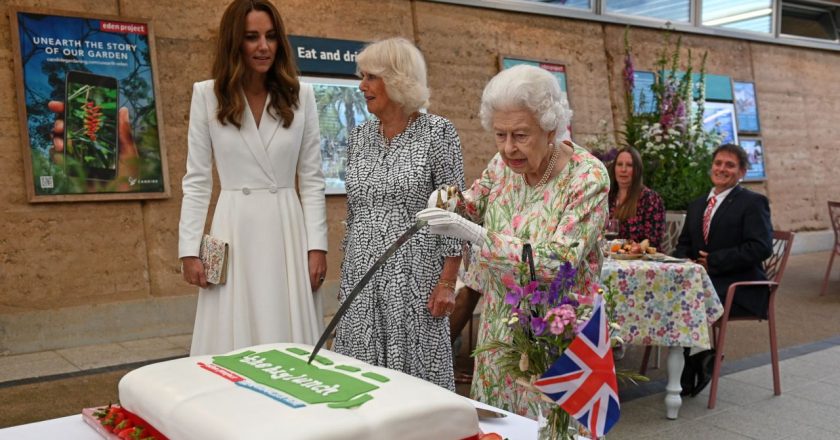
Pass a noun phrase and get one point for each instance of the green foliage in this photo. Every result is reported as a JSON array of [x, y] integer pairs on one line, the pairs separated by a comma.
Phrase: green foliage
[[92, 125], [671, 139]]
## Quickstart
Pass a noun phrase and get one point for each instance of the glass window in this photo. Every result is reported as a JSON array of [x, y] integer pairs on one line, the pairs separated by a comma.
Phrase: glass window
[[809, 20], [745, 15], [666, 10], [579, 4]]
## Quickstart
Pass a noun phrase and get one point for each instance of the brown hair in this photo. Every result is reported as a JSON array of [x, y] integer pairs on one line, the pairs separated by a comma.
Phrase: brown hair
[[737, 150], [628, 208], [229, 68]]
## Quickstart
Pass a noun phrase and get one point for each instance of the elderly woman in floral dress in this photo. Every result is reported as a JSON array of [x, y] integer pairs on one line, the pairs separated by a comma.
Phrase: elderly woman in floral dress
[[536, 190]]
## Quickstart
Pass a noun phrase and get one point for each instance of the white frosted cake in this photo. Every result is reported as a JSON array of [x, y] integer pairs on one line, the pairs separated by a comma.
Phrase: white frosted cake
[[270, 392]]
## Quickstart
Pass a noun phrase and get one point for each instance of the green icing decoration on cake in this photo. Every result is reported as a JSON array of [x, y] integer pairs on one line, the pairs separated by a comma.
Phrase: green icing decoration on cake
[[295, 377], [296, 350], [376, 377], [358, 401], [349, 368], [323, 360]]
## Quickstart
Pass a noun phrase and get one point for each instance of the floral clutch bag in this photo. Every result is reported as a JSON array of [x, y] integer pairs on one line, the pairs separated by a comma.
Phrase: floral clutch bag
[[214, 256]]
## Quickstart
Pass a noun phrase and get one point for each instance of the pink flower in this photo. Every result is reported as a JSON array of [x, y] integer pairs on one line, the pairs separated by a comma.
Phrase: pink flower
[[508, 280], [517, 220], [560, 317]]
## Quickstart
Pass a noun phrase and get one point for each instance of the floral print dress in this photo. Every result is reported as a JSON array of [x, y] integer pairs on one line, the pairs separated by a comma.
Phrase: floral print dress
[[563, 218], [649, 221]]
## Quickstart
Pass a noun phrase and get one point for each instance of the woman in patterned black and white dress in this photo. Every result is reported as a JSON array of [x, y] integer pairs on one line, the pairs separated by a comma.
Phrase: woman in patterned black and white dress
[[400, 319]]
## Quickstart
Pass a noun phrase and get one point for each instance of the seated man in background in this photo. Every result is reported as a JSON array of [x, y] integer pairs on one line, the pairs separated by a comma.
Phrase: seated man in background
[[729, 233]]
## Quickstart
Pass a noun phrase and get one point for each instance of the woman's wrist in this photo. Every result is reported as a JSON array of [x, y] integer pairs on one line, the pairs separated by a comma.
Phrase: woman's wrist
[[447, 283]]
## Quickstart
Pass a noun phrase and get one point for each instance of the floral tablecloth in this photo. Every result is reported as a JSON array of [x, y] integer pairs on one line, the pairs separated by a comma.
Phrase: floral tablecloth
[[669, 304]]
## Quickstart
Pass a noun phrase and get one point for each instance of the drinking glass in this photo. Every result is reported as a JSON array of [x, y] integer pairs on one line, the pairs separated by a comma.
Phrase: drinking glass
[[611, 231]]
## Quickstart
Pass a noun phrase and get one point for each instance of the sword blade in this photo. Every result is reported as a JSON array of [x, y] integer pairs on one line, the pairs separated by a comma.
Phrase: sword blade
[[362, 283]]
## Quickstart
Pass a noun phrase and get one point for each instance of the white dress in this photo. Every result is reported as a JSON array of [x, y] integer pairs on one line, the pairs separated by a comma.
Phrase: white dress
[[267, 297]]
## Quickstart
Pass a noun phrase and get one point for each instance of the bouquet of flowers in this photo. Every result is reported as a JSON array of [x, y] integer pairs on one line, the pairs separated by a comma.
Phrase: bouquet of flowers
[[543, 320], [670, 138]]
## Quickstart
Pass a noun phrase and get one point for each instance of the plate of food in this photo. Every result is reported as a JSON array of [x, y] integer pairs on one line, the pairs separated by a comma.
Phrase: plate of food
[[630, 250], [625, 256], [662, 258]]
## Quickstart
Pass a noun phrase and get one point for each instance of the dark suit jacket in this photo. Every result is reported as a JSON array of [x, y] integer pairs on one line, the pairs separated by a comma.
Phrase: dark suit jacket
[[740, 239]]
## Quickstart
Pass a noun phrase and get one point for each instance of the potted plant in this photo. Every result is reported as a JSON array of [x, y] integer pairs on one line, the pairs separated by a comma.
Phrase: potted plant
[[671, 139]]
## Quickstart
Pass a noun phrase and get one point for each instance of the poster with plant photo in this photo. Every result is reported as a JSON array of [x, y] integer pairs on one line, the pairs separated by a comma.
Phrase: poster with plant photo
[[341, 107], [755, 156], [88, 108], [746, 107]]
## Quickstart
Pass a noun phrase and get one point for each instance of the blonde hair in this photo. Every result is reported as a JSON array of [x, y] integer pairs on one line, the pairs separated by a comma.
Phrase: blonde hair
[[402, 68], [528, 87]]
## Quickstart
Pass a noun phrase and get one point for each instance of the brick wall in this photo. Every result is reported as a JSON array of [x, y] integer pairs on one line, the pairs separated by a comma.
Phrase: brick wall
[[79, 256]]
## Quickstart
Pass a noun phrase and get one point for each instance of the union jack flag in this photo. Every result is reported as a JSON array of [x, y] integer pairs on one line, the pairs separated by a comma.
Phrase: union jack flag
[[582, 380]]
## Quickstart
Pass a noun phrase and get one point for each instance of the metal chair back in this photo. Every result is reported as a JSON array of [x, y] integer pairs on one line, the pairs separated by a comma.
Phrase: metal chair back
[[774, 266], [834, 218]]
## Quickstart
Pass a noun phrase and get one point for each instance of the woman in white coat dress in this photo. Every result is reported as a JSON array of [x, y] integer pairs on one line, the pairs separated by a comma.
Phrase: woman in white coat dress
[[260, 126]]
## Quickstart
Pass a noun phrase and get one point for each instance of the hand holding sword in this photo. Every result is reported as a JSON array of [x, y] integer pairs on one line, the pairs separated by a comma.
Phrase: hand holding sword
[[445, 197]]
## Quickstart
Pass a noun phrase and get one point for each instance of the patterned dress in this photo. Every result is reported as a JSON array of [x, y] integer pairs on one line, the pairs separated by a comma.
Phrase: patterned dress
[[649, 221], [389, 323], [571, 208]]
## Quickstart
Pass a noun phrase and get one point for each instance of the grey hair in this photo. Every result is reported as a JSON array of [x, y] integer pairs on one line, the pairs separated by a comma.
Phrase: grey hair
[[401, 66], [529, 87]]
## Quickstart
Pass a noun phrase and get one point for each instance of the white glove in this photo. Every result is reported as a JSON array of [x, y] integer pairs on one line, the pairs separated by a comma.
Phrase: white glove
[[442, 195], [452, 225]]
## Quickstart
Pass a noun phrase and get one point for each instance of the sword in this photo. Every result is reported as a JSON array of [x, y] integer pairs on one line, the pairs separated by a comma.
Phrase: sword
[[362, 283]]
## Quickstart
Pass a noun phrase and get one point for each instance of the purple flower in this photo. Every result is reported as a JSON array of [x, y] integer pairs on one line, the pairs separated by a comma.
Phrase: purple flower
[[513, 297], [570, 301], [531, 287], [606, 156], [538, 297], [538, 325], [679, 114], [563, 281], [629, 70], [524, 318], [516, 293], [553, 292]]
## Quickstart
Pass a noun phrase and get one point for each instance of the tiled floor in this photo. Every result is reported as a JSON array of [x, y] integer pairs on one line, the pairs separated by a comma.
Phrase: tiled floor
[[809, 406], [32, 366]]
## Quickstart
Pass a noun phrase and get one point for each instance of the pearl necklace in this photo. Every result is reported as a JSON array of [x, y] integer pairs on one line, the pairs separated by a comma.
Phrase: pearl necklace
[[386, 141], [551, 162]]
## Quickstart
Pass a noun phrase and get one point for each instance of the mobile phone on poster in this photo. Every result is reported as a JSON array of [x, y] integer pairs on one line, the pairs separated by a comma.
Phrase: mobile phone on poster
[[91, 149]]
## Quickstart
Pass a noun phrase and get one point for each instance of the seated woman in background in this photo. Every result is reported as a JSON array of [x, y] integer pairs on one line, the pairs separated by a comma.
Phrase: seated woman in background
[[639, 209]]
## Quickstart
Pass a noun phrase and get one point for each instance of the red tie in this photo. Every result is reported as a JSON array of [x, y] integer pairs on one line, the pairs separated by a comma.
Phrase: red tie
[[707, 218]]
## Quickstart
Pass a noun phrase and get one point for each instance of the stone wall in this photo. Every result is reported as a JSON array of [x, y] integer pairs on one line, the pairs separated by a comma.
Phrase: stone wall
[[64, 266]]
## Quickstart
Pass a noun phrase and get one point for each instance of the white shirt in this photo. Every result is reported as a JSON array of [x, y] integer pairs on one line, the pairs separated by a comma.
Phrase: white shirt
[[719, 200]]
